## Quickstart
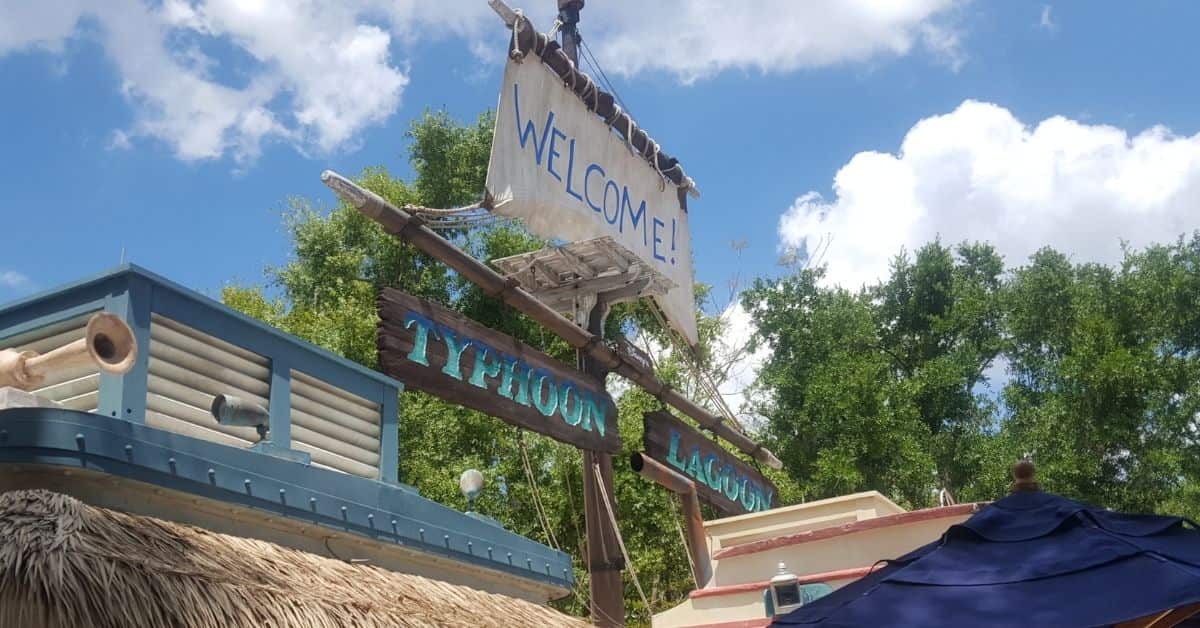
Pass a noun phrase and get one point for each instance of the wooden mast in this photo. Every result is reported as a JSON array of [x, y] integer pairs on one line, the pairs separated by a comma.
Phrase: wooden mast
[[604, 558]]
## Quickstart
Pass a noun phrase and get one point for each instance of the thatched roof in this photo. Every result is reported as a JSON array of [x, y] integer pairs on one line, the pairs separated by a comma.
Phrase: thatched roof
[[64, 563]]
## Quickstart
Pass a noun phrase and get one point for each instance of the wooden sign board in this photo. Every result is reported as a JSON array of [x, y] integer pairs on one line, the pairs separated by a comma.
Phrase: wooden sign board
[[722, 480], [442, 352]]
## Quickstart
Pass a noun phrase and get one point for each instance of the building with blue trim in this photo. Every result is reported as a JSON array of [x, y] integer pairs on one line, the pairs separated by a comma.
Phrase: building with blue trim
[[325, 482]]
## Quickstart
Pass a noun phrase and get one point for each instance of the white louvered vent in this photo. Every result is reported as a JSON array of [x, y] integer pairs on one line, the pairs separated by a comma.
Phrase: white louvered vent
[[188, 368], [338, 429], [75, 388]]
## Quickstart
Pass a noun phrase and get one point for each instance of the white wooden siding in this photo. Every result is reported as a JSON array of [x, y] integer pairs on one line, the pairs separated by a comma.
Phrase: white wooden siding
[[187, 369], [338, 429]]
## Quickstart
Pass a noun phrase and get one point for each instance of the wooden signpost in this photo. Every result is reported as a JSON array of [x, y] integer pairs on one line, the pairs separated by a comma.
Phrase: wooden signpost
[[442, 352], [722, 480]]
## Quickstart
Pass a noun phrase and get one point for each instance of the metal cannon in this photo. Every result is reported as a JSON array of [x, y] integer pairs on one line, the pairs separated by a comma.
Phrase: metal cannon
[[108, 343]]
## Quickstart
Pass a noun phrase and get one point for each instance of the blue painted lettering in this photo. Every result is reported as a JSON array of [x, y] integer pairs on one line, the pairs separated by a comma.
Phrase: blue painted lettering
[[694, 467], [514, 372], [673, 452], [544, 391], [711, 477], [593, 413], [658, 223], [729, 480], [616, 202], [747, 495], [419, 352], [529, 132], [586, 187], [634, 216], [454, 351], [555, 134], [571, 170], [573, 415], [483, 368]]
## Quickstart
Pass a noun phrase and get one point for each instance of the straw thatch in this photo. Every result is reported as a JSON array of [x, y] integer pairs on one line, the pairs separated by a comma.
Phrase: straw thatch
[[64, 563]]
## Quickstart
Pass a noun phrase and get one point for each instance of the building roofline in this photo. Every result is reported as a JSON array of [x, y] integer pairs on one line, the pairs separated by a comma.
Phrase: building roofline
[[820, 534], [201, 299]]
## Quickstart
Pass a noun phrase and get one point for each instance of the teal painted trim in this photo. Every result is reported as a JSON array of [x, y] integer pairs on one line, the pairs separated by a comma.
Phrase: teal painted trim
[[27, 315], [137, 316], [280, 404], [389, 435], [271, 449], [89, 285], [112, 387], [97, 286], [16, 328]]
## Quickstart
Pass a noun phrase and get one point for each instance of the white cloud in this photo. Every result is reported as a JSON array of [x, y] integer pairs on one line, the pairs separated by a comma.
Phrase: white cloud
[[697, 39], [735, 368], [216, 78], [13, 280], [119, 140], [1046, 22], [978, 173], [313, 74], [743, 365]]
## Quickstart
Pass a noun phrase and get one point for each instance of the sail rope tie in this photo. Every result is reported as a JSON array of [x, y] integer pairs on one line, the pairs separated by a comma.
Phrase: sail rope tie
[[662, 181], [516, 54]]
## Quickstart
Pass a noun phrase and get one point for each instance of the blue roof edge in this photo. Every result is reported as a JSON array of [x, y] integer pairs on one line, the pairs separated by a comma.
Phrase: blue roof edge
[[133, 269]]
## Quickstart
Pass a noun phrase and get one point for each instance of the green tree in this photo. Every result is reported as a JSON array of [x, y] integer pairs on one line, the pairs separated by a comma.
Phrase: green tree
[[886, 388], [877, 388], [838, 416], [1106, 376]]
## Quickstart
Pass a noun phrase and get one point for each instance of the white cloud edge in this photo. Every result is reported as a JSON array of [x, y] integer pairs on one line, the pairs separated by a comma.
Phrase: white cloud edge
[[14, 280], [979, 173], [325, 71]]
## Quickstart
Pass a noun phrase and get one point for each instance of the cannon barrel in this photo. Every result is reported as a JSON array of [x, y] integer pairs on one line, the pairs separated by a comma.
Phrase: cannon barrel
[[108, 343], [238, 412]]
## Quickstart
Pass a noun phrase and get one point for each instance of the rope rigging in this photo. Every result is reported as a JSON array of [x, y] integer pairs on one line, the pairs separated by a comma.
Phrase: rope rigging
[[467, 217], [543, 518], [620, 541]]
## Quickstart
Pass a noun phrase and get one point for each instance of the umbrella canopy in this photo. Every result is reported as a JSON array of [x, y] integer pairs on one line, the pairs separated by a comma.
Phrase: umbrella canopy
[[1030, 559], [64, 563]]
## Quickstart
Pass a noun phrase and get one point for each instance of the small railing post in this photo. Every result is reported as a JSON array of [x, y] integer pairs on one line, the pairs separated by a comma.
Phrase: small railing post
[[389, 435], [279, 407], [124, 396]]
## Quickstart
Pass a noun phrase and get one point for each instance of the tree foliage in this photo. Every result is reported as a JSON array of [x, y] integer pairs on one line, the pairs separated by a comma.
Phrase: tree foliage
[[944, 373]]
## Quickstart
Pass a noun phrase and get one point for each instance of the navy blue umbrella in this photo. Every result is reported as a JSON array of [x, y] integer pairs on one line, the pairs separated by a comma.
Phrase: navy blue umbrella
[[1031, 559]]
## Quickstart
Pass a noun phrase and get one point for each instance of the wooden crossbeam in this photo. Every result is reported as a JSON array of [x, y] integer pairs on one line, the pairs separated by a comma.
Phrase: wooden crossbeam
[[576, 264]]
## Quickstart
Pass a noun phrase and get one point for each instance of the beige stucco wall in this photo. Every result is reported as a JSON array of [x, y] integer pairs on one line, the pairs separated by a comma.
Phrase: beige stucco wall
[[859, 546]]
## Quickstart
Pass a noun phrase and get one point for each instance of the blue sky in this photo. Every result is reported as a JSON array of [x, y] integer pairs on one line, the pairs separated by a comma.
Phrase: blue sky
[[172, 132]]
